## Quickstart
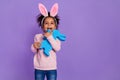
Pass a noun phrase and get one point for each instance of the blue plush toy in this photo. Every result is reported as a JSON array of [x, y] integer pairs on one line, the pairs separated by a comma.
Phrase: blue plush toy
[[46, 46]]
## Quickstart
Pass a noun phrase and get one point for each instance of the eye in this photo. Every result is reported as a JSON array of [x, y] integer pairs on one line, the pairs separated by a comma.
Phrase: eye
[[52, 22], [46, 23]]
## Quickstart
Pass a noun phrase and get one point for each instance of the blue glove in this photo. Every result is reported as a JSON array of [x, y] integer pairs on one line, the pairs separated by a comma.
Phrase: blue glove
[[46, 46]]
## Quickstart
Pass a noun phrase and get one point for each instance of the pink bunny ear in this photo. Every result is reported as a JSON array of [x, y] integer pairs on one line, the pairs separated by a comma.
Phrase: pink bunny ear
[[43, 9], [54, 10]]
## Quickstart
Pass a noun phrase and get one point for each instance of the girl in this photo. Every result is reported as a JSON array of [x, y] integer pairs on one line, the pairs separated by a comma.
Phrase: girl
[[46, 65]]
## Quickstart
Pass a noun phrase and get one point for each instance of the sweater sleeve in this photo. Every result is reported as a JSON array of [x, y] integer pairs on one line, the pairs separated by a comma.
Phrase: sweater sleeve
[[56, 44], [33, 49]]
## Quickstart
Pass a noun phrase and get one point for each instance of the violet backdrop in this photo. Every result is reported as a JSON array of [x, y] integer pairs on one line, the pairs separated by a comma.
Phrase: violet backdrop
[[92, 48]]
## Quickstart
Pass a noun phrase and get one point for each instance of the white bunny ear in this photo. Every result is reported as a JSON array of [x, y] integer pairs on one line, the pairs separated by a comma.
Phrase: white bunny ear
[[54, 10], [43, 9]]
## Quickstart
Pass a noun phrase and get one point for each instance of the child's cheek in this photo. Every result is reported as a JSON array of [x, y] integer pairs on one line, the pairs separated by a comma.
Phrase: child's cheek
[[54, 27], [45, 27]]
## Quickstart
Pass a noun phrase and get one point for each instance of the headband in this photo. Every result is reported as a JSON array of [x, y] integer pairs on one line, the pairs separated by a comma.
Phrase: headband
[[44, 12]]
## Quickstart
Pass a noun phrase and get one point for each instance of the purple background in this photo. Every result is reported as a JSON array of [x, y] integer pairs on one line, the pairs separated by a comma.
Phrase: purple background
[[92, 48]]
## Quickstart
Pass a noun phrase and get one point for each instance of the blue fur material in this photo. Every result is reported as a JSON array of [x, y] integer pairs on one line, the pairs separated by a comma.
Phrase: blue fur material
[[46, 46]]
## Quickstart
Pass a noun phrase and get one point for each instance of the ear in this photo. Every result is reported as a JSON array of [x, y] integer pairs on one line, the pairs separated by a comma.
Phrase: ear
[[43, 9], [54, 10]]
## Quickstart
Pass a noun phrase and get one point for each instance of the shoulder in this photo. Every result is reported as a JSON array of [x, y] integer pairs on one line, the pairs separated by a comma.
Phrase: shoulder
[[38, 35]]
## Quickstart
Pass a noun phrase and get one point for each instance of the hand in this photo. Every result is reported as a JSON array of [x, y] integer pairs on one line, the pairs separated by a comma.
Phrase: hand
[[36, 45], [47, 34]]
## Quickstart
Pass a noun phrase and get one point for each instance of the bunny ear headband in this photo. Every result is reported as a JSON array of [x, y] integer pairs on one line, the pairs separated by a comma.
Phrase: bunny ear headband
[[44, 12]]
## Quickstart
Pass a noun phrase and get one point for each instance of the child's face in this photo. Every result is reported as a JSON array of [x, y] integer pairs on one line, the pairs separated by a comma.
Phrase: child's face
[[49, 23]]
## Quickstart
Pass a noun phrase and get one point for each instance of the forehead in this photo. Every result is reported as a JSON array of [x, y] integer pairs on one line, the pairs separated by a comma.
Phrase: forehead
[[49, 19]]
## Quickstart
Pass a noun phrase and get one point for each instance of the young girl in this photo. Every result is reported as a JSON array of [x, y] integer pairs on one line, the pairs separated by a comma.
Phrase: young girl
[[46, 65]]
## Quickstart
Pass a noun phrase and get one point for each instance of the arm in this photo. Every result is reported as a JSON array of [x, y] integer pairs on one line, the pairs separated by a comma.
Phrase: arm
[[56, 44], [33, 49]]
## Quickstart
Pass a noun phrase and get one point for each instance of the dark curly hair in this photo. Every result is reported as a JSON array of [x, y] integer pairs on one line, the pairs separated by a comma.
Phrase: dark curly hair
[[40, 17]]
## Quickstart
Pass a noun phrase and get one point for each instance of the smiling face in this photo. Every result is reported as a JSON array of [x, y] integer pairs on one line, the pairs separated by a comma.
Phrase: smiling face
[[49, 23]]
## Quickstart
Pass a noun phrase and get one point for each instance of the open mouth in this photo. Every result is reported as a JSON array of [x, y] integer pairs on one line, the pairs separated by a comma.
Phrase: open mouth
[[49, 30]]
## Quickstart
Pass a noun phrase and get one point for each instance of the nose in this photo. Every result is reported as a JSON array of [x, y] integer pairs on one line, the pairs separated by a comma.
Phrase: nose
[[49, 25]]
